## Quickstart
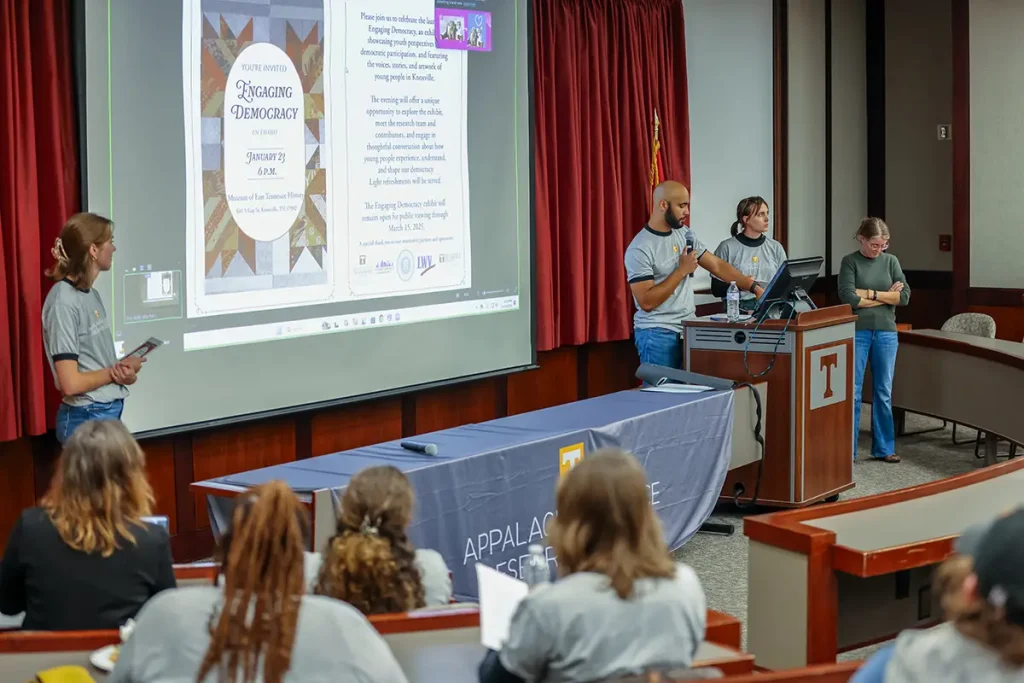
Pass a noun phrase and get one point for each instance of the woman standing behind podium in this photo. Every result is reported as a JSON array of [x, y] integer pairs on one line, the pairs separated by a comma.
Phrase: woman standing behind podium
[[872, 282], [750, 250]]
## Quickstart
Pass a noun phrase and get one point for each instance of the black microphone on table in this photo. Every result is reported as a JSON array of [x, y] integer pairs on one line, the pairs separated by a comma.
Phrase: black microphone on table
[[689, 243], [420, 447]]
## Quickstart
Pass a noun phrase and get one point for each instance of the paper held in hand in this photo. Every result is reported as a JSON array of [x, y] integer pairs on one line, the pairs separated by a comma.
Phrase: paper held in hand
[[500, 595], [145, 347]]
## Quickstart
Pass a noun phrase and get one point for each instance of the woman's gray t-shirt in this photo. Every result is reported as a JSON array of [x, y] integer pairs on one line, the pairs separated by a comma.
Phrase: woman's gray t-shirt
[[578, 629], [758, 258], [76, 327]]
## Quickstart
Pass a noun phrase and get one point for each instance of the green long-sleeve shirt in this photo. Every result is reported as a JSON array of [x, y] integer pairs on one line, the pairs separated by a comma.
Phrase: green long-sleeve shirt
[[857, 271]]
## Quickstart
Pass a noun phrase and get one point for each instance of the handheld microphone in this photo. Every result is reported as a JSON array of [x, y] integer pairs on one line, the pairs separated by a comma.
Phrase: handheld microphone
[[689, 243], [420, 447]]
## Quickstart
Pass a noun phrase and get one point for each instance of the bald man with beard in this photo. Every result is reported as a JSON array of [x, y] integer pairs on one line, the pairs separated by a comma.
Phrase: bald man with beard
[[659, 265]]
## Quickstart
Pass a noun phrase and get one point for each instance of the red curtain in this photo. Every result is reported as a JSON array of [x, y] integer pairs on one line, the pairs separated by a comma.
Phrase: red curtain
[[38, 191], [602, 68]]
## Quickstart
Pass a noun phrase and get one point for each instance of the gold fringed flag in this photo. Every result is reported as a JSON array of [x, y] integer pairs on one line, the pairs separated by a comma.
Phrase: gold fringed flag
[[657, 170]]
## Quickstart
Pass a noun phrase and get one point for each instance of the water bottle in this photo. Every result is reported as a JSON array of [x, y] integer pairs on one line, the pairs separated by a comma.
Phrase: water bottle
[[535, 569], [732, 302]]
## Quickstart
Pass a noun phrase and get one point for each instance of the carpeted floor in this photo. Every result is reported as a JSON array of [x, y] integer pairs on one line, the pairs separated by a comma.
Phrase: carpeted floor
[[721, 561]]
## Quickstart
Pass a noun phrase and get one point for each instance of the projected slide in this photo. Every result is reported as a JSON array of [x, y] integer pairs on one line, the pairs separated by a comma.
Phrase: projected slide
[[408, 160], [328, 158], [314, 200]]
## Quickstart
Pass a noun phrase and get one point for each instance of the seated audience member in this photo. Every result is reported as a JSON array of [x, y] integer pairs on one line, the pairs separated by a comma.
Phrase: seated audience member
[[749, 249], [85, 559], [369, 562], [622, 606], [981, 590], [260, 626]]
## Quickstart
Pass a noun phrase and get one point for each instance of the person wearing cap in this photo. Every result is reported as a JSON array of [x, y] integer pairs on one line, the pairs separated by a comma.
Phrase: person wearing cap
[[981, 590]]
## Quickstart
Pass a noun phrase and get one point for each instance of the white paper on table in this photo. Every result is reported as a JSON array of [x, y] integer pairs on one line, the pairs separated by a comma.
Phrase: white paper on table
[[500, 595], [678, 388]]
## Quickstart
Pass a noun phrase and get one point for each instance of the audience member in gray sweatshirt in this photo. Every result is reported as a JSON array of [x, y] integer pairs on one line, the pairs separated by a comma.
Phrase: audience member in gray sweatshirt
[[982, 594], [260, 626], [621, 606]]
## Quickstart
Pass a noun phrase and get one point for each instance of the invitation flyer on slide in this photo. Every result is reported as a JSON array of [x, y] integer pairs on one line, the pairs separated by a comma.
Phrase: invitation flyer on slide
[[327, 151]]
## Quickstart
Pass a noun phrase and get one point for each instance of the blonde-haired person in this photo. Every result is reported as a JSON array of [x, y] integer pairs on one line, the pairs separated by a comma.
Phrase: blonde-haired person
[[981, 590], [872, 282], [85, 559], [749, 249], [622, 606], [370, 562], [77, 336], [258, 626]]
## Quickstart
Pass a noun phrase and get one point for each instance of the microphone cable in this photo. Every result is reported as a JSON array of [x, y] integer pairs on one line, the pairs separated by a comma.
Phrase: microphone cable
[[778, 342], [760, 463]]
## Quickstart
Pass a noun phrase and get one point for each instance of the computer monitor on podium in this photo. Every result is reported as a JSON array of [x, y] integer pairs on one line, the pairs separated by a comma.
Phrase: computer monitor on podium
[[786, 294]]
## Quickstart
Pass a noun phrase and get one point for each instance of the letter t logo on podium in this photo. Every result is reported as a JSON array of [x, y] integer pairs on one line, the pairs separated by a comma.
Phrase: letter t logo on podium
[[828, 376]]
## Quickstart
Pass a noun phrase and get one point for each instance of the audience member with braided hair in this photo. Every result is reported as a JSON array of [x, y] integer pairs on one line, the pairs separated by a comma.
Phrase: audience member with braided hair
[[85, 559], [259, 626], [369, 562]]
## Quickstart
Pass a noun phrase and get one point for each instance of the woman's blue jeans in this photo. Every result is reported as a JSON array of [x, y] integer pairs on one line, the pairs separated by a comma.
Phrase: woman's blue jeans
[[879, 348], [69, 417]]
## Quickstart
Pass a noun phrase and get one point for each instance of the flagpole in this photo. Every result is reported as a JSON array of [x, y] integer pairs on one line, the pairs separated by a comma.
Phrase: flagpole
[[654, 175]]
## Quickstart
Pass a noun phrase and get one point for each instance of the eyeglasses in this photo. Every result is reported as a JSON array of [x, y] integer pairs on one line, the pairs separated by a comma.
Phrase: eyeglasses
[[877, 247]]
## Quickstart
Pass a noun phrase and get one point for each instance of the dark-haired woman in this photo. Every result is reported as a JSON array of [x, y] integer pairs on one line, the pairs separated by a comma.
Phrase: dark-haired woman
[[85, 559], [749, 249], [260, 627], [622, 606], [369, 562]]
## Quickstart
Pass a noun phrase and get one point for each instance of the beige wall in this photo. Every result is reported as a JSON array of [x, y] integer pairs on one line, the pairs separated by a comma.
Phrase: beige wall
[[849, 126], [807, 129], [806, 220], [997, 142], [919, 97], [729, 84]]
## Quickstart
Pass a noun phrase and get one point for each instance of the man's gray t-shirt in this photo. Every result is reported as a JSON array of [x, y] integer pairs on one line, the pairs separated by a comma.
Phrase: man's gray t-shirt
[[76, 327], [653, 256], [333, 642], [758, 258], [578, 629]]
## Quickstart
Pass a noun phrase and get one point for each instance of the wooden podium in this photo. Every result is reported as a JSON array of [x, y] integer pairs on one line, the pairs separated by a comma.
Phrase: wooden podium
[[809, 422]]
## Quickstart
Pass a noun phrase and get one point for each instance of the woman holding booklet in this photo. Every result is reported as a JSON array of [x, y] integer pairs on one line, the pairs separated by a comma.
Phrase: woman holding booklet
[[76, 331]]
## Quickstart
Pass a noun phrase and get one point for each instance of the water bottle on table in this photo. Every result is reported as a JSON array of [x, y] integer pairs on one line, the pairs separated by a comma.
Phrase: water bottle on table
[[535, 569], [732, 302]]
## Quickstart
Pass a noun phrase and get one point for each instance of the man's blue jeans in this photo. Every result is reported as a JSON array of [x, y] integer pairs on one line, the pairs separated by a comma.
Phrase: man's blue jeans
[[879, 347], [659, 346], [69, 417]]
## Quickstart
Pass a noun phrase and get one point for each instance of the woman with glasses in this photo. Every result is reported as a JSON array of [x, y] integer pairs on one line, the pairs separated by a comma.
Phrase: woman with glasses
[[872, 282]]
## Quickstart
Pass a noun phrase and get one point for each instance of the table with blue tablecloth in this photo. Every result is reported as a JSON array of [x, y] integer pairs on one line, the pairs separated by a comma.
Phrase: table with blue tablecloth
[[489, 492]]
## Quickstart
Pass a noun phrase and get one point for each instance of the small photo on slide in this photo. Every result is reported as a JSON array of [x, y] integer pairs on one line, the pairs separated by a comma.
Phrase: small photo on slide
[[479, 31], [450, 29]]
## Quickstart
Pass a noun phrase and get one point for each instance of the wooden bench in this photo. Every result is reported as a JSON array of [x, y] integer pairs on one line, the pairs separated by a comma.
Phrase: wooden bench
[[423, 642], [833, 578], [822, 673], [961, 378]]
